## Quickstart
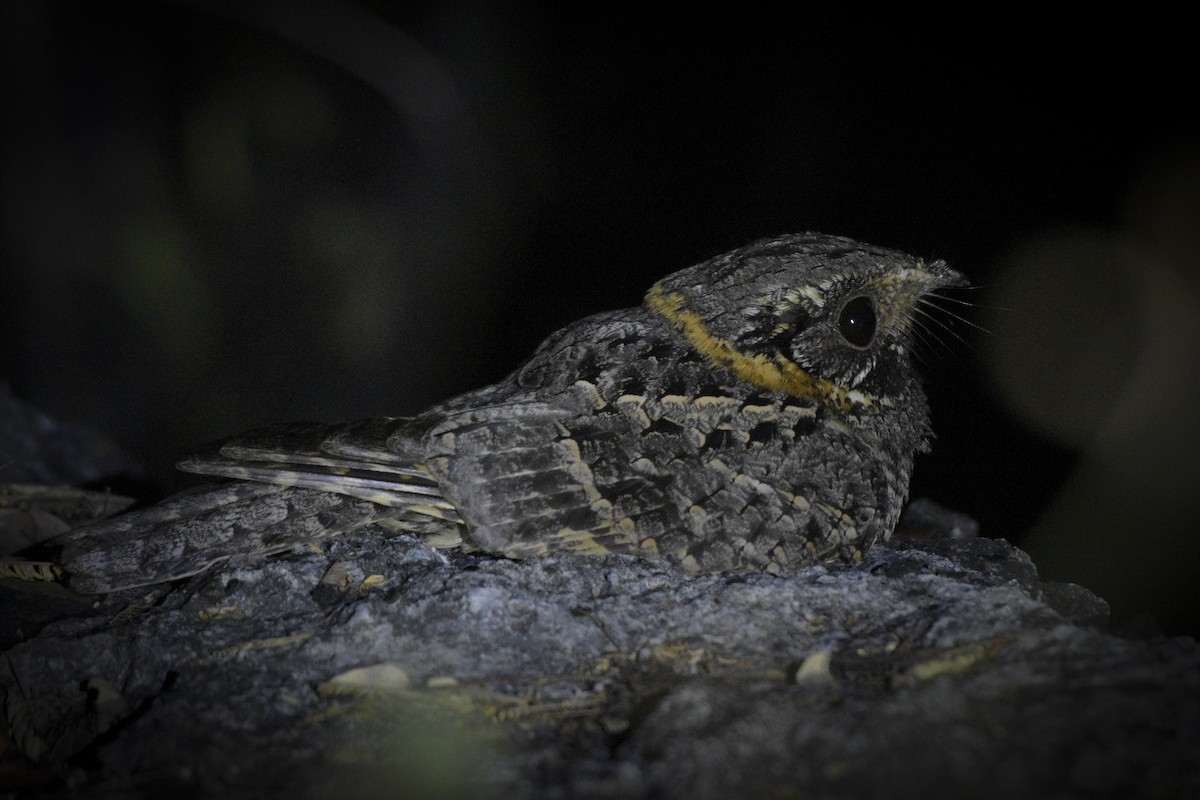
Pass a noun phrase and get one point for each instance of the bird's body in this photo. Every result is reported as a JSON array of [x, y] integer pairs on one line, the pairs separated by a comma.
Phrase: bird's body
[[759, 411]]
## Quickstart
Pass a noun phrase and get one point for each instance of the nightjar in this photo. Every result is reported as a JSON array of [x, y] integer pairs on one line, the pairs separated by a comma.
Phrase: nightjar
[[758, 411]]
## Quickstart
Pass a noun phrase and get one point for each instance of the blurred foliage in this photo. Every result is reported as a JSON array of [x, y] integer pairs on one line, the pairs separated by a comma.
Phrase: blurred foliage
[[224, 215], [1100, 348]]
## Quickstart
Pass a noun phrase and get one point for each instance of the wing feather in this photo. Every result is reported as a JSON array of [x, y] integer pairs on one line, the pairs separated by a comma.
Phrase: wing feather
[[352, 459]]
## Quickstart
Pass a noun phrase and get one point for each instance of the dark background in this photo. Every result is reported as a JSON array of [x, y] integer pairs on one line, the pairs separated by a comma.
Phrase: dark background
[[217, 216]]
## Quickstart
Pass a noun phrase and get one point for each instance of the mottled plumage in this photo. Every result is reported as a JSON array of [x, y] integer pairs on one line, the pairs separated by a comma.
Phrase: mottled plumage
[[759, 411]]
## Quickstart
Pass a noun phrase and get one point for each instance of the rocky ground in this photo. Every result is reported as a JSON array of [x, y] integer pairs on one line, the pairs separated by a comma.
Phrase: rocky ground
[[378, 666]]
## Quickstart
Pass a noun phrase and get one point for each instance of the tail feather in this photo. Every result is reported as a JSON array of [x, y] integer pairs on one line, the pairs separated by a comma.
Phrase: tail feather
[[187, 533]]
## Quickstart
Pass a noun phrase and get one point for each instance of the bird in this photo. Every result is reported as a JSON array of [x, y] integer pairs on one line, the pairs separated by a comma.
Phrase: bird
[[759, 410]]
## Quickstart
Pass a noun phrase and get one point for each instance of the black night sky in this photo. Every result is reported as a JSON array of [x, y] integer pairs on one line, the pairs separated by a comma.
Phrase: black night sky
[[217, 216]]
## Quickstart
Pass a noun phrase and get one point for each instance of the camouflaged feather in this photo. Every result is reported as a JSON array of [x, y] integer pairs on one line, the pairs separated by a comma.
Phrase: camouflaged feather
[[727, 423]]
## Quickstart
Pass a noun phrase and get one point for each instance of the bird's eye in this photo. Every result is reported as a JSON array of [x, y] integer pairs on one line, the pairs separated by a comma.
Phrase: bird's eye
[[856, 321]]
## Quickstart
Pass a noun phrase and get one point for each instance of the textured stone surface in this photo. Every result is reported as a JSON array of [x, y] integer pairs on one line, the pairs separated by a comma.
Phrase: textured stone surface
[[939, 668], [35, 448]]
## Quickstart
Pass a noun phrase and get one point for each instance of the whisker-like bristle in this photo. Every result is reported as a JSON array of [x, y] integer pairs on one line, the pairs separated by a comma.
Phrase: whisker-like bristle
[[924, 342], [931, 341], [920, 340], [938, 293], [928, 300], [932, 318]]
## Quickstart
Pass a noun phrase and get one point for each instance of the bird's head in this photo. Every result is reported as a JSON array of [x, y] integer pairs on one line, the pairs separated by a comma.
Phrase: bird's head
[[811, 315]]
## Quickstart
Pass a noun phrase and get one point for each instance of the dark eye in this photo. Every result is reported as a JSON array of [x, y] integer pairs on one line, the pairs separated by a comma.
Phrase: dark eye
[[856, 322]]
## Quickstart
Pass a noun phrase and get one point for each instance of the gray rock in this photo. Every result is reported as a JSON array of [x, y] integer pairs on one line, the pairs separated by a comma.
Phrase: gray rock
[[38, 449], [378, 666]]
